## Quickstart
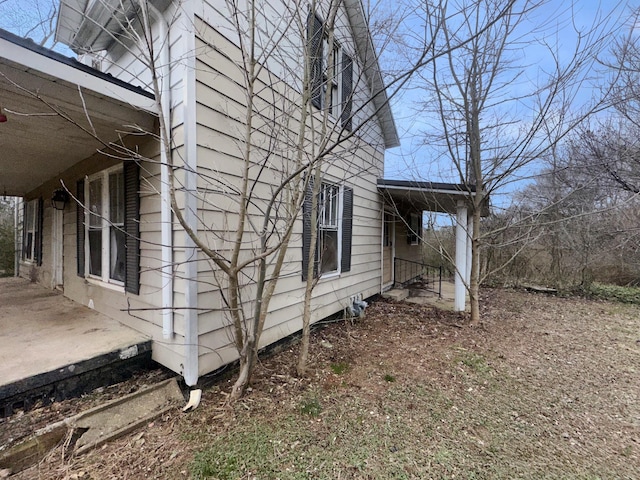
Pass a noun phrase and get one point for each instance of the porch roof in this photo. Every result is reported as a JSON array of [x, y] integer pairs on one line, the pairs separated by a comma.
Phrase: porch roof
[[59, 111], [409, 195]]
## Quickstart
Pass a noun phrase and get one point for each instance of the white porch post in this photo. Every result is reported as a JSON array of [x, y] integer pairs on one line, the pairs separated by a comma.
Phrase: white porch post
[[467, 276], [461, 256]]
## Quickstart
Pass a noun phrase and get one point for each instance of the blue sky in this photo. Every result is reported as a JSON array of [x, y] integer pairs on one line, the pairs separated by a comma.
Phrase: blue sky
[[556, 23]]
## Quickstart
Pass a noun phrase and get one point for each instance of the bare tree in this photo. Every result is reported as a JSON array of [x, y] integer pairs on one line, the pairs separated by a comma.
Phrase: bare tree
[[494, 120], [33, 19]]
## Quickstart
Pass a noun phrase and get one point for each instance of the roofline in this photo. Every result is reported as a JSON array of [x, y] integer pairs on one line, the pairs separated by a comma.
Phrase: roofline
[[27, 53], [367, 52], [435, 187]]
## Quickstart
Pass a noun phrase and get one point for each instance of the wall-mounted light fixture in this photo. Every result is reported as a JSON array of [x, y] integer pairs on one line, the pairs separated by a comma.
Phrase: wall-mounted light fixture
[[3, 117], [59, 199]]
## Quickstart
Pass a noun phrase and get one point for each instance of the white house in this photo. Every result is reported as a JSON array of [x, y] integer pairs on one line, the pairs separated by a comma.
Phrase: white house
[[98, 222]]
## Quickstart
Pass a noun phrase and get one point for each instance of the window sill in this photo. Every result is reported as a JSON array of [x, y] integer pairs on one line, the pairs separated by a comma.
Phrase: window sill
[[109, 286], [329, 275]]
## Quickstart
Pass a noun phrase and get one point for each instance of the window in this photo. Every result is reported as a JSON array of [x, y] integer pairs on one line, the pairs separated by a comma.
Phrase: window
[[105, 226], [32, 231], [328, 228], [414, 230], [335, 212], [329, 90], [108, 226], [386, 232]]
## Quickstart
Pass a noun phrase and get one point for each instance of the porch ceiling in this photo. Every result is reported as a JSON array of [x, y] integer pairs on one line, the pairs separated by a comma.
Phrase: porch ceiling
[[53, 104], [409, 196]]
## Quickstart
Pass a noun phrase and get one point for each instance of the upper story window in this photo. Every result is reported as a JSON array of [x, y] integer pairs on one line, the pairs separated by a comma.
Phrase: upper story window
[[331, 88]]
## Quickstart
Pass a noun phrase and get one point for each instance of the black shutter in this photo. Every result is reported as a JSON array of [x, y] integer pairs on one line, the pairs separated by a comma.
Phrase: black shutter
[[347, 92], [307, 208], [131, 171], [314, 45], [80, 227], [38, 235], [347, 229]]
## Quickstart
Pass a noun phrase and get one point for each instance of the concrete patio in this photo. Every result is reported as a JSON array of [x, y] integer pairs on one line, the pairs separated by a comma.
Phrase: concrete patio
[[416, 294], [47, 340]]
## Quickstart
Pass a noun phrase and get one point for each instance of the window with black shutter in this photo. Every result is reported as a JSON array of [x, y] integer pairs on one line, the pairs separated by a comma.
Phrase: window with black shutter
[[334, 94], [334, 223], [108, 226]]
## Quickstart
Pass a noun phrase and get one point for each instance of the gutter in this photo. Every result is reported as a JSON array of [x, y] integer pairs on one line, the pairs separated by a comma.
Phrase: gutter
[[166, 217]]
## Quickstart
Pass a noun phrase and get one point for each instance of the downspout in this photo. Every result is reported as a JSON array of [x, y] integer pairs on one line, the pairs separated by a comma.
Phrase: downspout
[[191, 360], [166, 218]]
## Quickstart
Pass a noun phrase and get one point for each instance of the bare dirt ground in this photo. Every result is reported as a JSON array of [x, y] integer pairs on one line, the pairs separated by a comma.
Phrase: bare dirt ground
[[546, 388]]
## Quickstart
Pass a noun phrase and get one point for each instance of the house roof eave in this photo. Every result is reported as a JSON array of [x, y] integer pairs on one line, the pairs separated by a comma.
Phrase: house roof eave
[[366, 51], [59, 112], [409, 195]]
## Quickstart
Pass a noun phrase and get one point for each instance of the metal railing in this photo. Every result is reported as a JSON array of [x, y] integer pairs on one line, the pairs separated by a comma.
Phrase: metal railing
[[406, 272]]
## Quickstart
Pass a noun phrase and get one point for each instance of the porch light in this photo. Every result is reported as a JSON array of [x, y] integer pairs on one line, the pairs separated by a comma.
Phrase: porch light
[[3, 117], [59, 199]]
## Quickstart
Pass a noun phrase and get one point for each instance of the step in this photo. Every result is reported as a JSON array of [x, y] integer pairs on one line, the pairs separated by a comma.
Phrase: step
[[96, 426]]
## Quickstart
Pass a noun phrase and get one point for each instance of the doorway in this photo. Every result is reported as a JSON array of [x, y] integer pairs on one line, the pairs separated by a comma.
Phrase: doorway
[[387, 249]]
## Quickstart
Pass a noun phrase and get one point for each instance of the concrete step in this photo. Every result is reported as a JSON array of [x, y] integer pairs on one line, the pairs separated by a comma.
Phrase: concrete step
[[96, 426], [396, 294]]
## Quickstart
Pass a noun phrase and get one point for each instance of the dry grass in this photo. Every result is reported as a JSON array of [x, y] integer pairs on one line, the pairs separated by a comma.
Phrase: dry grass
[[548, 388]]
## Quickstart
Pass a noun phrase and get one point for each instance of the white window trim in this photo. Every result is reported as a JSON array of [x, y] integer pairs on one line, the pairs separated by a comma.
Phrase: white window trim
[[104, 279], [33, 228], [333, 105], [415, 235], [338, 271]]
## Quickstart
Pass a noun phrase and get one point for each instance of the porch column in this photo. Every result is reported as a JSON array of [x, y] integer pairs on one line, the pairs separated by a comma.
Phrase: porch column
[[461, 257], [469, 232]]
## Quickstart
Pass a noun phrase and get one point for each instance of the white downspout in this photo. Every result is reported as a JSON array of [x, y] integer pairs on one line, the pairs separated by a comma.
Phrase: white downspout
[[166, 218]]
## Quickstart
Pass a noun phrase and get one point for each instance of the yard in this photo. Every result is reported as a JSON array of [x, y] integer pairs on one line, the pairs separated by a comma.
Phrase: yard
[[547, 388]]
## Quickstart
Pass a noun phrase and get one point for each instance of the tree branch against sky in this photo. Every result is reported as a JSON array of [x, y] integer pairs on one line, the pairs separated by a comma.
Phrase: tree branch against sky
[[488, 111], [34, 19]]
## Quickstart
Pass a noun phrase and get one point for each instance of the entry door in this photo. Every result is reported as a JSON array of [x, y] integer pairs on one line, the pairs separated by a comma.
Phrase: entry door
[[387, 249], [56, 247]]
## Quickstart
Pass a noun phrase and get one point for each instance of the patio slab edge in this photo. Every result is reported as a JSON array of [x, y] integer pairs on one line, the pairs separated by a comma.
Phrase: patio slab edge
[[76, 378]]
